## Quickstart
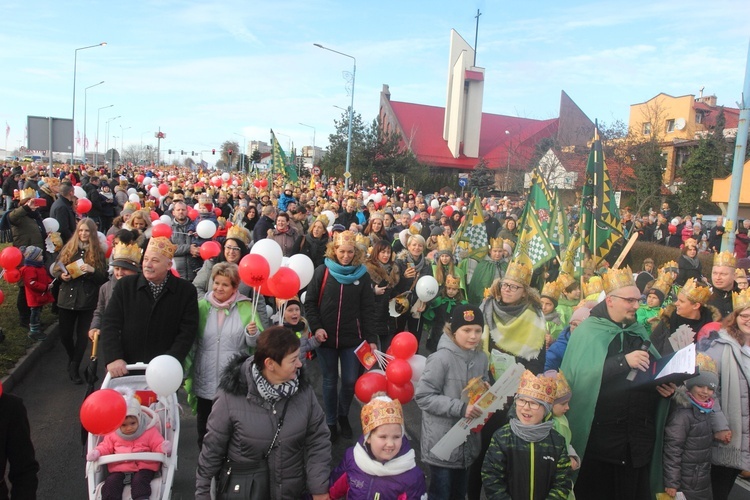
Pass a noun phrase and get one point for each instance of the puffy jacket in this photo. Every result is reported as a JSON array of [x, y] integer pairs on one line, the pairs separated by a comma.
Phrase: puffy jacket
[[148, 442], [62, 212], [286, 241], [105, 293], [35, 283], [261, 228], [285, 200], [315, 248], [511, 464], [26, 226], [349, 481], [241, 428], [345, 312], [183, 261], [80, 294], [556, 351], [438, 395], [97, 201], [687, 448]]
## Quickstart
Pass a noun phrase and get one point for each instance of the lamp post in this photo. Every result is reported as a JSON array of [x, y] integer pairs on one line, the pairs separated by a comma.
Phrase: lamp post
[[244, 150], [73, 117], [507, 172], [85, 103], [122, 140], [96, 155], [106, 147], [313, 154], [351, 114]]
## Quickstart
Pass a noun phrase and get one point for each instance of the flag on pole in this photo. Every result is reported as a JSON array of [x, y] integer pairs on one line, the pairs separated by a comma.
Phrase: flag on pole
[[558, 227], [471, 235], [278, 159], [78, 137], [540, 197], [7, 130], [533, 247], [600, 216]]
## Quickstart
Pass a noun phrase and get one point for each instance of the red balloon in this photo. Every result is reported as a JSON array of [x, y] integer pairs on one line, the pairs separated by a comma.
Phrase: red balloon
[[430, 210], [284, 284], [265, 289], [154, 216], [12, 275], [137, 205], [175, 273], [10, 257], [254, 270], [256, 183], [83, 205], [103, 411], [210, 249], [161, 230], [403, 393], [140, 178], [109, 250], [163, 189], [2, 299], [264, 183], [448, 210], [368, 384], [404, 345], [217, 211], [192, 214], [398, 371]]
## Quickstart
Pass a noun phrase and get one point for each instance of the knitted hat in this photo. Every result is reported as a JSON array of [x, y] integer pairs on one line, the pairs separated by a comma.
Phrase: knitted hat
[[379, 411], [32, 253], [580, 314], [707, 373], [436, 231], [466, 315]]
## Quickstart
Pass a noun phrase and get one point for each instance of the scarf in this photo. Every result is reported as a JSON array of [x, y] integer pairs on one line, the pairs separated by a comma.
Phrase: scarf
[[531, 433], [397, 465], [144, 422], [157, 289], [706, 407], [221, 307], [380, 273], [346, 275], [33, 263], [418, 264], [518, 329], [694, 262], [273, 392]]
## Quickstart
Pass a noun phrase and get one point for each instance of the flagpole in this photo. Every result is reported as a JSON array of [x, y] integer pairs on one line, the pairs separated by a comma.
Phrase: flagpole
[[596, 200]]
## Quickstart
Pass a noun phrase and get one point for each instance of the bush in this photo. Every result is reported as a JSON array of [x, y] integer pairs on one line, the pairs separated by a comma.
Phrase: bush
[[662, 254]]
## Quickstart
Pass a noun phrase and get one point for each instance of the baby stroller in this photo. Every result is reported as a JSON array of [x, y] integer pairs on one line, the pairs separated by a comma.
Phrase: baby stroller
[[164, 412]]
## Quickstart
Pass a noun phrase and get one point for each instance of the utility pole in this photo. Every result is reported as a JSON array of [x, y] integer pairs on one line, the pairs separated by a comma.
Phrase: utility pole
[[476, 36]]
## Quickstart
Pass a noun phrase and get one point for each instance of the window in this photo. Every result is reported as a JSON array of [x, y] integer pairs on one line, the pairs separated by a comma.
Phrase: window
[[670, 125], [698, 117], [647, 128]]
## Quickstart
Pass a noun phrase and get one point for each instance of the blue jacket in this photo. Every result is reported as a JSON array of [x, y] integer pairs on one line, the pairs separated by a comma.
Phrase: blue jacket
[[556, 351]]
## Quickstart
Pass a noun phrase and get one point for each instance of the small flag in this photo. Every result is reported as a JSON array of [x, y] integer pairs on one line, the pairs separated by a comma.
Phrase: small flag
[[558, 228], [540, 197], [278, 159], [533, 246], [471, 235], [78, 137]]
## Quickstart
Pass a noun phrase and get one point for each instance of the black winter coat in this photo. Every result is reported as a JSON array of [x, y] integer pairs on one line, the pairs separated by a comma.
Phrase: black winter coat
[[315, 248], [16, 450], [135, 328], [62, 212], [82, 293], [261, 228], [345, 312]]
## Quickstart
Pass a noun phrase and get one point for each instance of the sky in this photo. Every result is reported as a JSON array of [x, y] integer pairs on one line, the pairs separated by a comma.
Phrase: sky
[[207, 71]]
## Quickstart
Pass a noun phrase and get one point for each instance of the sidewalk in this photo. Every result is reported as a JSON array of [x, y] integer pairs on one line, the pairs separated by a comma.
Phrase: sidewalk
[[26, 362]]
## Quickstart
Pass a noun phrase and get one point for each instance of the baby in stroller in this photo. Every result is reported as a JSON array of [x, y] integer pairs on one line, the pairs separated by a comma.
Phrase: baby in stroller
[[138, 433]]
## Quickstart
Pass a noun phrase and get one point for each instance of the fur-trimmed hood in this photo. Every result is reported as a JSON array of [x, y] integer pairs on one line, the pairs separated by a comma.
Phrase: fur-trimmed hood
[[706, 312], [378, 274], [680, 398], [236, 378]]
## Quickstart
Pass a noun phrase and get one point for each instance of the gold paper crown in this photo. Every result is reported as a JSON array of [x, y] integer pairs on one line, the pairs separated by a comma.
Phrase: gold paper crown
[[162, 246], [322, 218], [496, 243], [452, 281], [27, 193], [129, 253], [741, 300], [690, 242], [520, 272], [551, 290], [379, 411], [695, 293], [565, 280], [415, 228], [663, 283], [362, 240], [344, 238], [239, 233], [444, 244], [705, 363], [377, 215], [588, 264], [563, 391], [129, 206], [670, 266], [594, 286], [615, 279], [541, 388], [739, 274], [725, 258]]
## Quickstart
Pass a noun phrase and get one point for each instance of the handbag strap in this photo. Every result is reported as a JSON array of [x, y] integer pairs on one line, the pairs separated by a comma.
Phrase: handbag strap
[[278, 429], [322, 287]]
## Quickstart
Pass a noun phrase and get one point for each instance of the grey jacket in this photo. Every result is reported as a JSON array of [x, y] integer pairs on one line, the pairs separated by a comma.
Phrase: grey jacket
[[105, 293], [241, 428], [438, 395], [687, 449], [183, 260]]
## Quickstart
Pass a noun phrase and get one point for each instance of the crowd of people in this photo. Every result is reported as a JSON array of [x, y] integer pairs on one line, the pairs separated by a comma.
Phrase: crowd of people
[[578, 423]]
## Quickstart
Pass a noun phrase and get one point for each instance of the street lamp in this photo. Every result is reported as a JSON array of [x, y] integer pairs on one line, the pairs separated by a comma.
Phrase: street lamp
[[351, 114], [96, 155], [106, 147], [75, 64], [122, 140], [244, 149], [313, 154], [85, 103]]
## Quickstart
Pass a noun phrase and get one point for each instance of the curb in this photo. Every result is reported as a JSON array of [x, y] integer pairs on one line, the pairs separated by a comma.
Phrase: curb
[[26, 362]]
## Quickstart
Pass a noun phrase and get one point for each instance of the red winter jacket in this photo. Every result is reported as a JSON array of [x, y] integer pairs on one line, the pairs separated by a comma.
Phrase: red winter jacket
[[36, 282]]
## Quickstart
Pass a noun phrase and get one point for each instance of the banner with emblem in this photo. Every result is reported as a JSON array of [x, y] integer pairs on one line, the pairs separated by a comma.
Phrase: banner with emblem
[[533, 246], [471, 236], [559, 234], [279, 161], [540, 197]]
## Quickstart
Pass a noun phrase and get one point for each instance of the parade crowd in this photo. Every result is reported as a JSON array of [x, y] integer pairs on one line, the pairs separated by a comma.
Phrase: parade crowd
[[586, 421]]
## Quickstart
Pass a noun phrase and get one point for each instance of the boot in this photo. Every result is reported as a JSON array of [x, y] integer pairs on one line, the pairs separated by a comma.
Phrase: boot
[[346, 429], [36, 333], [334, 433], [73, 373]]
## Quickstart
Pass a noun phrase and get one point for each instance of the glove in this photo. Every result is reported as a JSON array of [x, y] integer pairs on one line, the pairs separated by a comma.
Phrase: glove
[[166, 447], [93, 455]]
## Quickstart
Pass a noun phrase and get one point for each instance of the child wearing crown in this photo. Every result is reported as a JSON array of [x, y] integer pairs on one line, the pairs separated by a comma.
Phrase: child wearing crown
[[549, 299], [381, 464], [527, 457], [439, 310], [648, 313]]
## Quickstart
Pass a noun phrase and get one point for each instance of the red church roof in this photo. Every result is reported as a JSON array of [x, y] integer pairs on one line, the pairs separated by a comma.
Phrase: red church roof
[[731, 115], [422, 128]]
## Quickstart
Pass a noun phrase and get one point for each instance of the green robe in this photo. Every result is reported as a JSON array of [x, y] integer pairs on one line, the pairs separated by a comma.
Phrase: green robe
[[485, 273], [565, 308]]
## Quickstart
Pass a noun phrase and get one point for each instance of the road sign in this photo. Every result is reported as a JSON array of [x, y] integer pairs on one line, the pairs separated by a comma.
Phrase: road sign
[[463, 180], [347, 175], [316, 170]]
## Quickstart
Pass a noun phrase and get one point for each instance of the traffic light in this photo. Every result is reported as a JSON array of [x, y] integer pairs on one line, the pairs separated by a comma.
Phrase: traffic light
[[169, 151], [182, 152], [213, 151], [230, 152], [192, 153]]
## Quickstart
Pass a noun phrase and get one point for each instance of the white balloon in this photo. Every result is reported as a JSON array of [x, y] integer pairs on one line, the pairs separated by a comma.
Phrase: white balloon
[[206, 229], [271, 250], [435, 203], [166, 219], [157, 222], [303, 296], [427, 288], [164, 375], [377, 198], [269, 311], [403, 237], [330, 216], [411, 213], [134, 198], [285, 262], [147, 181], [132, 191], [103, 243], [225, 176], [79, 192], [154, 191], [417, 363], [51, 225], [304, 267]]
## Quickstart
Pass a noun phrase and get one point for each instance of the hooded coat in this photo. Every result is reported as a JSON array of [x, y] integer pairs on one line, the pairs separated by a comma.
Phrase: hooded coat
[[241, 428], [149, 442], [670, 321]]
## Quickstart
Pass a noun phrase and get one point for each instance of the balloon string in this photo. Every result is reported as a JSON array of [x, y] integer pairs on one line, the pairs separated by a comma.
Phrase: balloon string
[[382, 358], [282, 309]]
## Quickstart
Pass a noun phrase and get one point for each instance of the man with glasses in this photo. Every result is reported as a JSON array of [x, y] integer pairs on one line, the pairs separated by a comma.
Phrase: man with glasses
[[612, 422]]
